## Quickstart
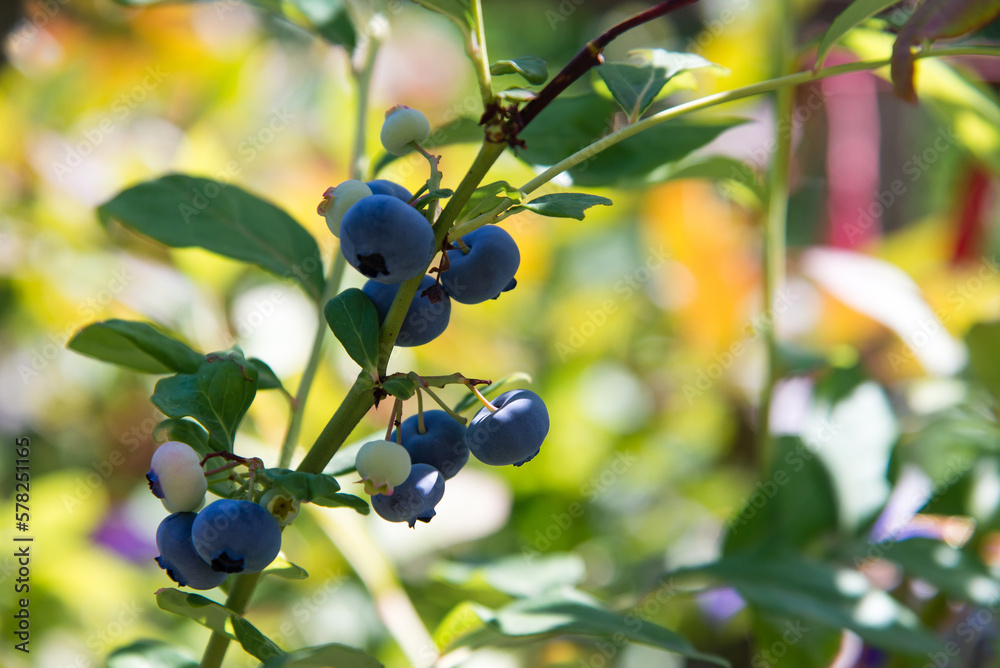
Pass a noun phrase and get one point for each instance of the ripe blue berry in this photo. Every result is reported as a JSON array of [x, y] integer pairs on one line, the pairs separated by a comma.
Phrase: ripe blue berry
[[442, 445], [403, 125], [386, 239], [511, 435], [386, 187], [425, 319], [178, 556], [486, 270], [414, 499], [176, 477], [382, 465], [236, 536]]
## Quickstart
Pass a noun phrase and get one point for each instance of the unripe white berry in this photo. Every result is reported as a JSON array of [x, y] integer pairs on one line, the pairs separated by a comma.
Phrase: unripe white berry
[[336, 202], [176, 477], [382, 466], [403, 125]]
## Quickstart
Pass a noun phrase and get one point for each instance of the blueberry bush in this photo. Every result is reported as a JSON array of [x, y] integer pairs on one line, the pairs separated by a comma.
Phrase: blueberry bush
[[756, 484]]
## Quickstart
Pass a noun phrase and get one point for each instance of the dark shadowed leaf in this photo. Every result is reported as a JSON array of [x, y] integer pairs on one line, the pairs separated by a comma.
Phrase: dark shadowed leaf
[[533, 69], [135, 345], [183, 211]]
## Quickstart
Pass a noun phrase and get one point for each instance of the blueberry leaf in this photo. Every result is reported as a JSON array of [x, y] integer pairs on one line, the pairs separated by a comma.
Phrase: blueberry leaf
[[401, 388], [332, 654], [486, 198], [342, 500], [135, 345], [330, 19], [185, 431], [531, 68], [286, 570], [213, 616], [354, 320], [149, 653], [266, 378], [635, 84], [563, 205], [182, 211], [217, 396], [857, 12], [303, 486]]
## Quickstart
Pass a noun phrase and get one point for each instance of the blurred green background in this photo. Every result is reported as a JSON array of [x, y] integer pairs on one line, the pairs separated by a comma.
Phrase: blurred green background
[[638, 325]]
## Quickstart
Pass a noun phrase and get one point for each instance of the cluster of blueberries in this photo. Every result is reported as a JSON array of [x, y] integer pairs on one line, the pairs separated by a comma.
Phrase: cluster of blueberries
[[406, 476], [200, 549], [387, 239]]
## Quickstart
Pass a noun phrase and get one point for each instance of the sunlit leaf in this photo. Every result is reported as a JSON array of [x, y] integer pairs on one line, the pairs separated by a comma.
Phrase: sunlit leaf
[[516, 575], [533, 69], [635, 84], [563, 205], [135, 345], [285, 570], [354, 320], [183, 211], [325, 656]]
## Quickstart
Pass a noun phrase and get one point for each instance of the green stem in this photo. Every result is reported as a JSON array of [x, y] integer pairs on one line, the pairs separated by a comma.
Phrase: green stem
[[359, 399], [706, 102], [363, 78], [475, 47], [237, 601], [775, 228]]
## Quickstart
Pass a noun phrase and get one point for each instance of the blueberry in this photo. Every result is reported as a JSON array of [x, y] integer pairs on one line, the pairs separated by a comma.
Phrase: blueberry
[[386, 239], [442, 445], [425, 320], [336, 202], [403, 125], [283, 506], [486, 270], [236, 536], [178, 556], [414, 499], [511, 435], [176, 477], [386, 187], [382, 465]]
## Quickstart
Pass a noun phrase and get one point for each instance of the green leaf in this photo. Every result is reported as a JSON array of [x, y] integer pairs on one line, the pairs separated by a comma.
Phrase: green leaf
[[516, 95], [135, 345], [213, 616], [330, 19], [563, 205], [485, 198], [266, 378], [217, 396], [470, 400], [458, 12], [303, 486], [983, 341], [325, 656], [401, 388], [574, 613], [344, 501], [531, 68], [793, 586], [858, 11], [729, 171], [516, 575], [460, 131], [570, 124], [774, 516], [354, 321], [148, 653], [183, 211], [285, 570], [184, 431], [636, 84]]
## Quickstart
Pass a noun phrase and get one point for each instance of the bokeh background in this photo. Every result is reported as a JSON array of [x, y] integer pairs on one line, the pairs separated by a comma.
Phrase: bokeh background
[[640, 326]]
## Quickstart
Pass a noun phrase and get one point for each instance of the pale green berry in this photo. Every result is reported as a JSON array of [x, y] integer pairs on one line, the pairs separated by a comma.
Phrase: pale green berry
[[382, 466], [336, 202], [176, 477], [282, 505], [403, 125]]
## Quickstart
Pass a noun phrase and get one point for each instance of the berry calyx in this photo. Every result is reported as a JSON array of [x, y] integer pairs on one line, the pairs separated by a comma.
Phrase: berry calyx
[[282, 505]]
